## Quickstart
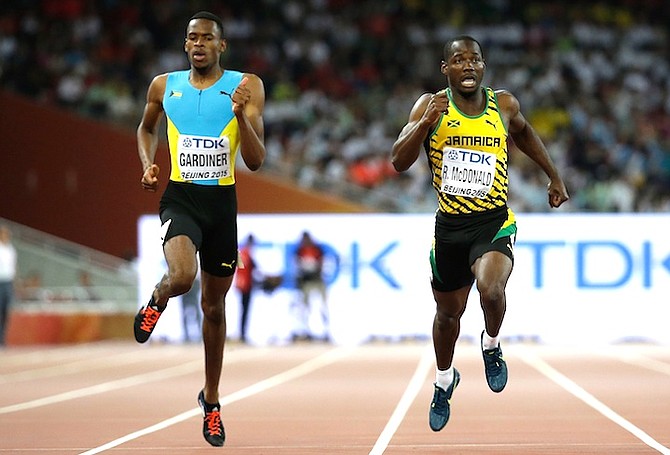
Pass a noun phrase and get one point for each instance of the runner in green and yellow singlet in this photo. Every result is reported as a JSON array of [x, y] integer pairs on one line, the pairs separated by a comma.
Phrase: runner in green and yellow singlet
[[464, 131]]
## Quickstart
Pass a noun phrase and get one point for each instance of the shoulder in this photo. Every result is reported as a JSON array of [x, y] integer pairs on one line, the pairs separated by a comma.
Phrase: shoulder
[[252, 76], [507, 101], [157, 86], [160, 80], [421, 103], [253, 80], [423, 99]]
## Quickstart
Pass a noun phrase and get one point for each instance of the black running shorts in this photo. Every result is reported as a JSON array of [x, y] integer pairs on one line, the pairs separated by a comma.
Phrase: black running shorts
[[461, 239], [208, 216]]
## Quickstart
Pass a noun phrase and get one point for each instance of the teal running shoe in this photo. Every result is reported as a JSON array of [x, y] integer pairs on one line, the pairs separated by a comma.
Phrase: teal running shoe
[[494, 367], [440, 408]]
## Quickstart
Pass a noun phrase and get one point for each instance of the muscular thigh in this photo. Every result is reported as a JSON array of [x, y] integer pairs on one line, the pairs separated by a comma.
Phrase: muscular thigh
[[458, 243]]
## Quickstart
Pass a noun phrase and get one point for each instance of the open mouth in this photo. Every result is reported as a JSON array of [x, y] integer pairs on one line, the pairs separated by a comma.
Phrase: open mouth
[[469, 81]]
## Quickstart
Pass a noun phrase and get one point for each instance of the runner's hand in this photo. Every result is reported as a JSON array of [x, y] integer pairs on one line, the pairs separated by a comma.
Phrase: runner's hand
[[240, 96], [150, 178], [438, 104]]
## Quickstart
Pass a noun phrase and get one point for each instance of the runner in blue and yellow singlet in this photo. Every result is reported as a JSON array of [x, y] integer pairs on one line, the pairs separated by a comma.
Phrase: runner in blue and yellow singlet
[[464, 131], [213, 115]]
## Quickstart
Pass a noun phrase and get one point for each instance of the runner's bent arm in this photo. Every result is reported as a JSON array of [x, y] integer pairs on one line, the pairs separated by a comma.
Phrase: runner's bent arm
[[528, 141], [147, 132], [248, 105], [423, 117]]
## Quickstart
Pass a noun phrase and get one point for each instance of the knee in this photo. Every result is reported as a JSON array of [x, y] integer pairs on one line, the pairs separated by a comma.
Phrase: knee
[[213, 308], [444, 317], [213, 314], [493, 292], [181, 281]]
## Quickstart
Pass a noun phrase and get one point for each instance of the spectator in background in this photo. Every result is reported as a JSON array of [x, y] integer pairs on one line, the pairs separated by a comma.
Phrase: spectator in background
[[580, 70], [29, 288], [85, 290], [309, 260], [245, 282], [7, 276]]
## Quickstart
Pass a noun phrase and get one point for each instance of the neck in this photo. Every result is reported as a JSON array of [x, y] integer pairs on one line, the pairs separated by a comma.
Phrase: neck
[[469, 102], [206, 75]]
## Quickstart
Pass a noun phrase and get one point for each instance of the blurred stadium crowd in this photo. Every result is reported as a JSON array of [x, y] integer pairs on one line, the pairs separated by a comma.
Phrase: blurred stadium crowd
[[341, 77]]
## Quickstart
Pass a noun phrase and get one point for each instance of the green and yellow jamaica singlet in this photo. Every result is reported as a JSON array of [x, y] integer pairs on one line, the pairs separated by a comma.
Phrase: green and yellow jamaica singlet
[[468, 159]]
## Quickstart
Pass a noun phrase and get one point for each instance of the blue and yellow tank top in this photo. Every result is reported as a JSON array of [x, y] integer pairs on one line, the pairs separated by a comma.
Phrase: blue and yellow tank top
[[468, 159], [202, 129]]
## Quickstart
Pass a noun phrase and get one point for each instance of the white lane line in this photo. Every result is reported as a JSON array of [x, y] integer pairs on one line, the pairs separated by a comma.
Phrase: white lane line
[[78, 366], [184, 368], [304, 368], [96, 361], [408, 397], [569, 385], [158, 375], [20, 356], [644, 362]]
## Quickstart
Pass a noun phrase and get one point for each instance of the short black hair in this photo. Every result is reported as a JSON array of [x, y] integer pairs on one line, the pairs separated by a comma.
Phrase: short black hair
[[210, 16], [447, 46]]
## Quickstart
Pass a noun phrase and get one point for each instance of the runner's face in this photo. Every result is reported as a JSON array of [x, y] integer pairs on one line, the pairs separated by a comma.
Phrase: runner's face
[[203, 43], [465, 67]]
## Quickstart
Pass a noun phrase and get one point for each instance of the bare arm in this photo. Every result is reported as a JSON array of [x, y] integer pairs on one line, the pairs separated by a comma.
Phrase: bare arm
[[147, 132], [527, 140], [248, 104], [423, 117]]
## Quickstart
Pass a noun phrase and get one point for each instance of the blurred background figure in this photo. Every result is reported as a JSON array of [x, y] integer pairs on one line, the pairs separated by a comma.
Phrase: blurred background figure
[[7, 275], [29, 288], [85, 291], [309, 258], [245, 281]]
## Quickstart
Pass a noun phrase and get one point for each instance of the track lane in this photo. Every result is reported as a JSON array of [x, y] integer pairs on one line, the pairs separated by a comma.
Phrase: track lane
[[347, 405]]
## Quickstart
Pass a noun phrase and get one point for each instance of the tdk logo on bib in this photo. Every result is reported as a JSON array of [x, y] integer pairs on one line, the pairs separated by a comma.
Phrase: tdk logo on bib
[[204, 143], [452, 155], [469, 156]]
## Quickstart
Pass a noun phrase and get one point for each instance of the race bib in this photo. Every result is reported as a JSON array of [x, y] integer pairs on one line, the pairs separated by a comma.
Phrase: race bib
[[468, 173], [203, 157]]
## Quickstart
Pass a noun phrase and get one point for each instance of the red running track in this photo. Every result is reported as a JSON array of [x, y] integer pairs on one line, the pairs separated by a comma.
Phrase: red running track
[[125, 398]]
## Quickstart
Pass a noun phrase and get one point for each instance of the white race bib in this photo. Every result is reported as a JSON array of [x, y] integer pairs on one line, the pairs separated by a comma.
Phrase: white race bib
[[468, 173], [203, 157]]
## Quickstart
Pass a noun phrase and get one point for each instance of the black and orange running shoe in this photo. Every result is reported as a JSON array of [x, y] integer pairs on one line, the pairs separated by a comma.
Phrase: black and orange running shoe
[[146, 320], [212, 426]]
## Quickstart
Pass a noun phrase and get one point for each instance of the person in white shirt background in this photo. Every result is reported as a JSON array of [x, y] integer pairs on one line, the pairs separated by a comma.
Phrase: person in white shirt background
[[7, 276]]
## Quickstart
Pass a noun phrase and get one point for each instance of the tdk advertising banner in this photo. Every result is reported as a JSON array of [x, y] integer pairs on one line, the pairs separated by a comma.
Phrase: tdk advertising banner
[[577, 278]]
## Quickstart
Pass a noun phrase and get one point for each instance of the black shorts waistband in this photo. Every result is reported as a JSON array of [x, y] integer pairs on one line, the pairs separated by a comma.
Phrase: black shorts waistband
[[450, 219]]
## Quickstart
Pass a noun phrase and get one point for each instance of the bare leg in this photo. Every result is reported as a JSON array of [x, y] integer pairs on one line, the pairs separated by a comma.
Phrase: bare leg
[[245, 300], [214, 290], [180, 254], [492, 271], [325, 313], [447, 323]]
